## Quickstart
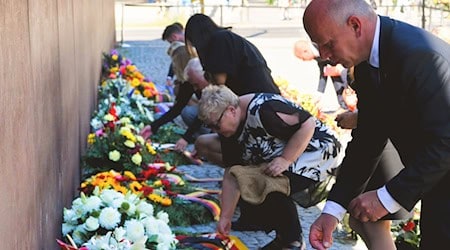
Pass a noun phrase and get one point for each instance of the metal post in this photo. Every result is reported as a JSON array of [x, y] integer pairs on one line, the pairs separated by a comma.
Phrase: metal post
[[423, 14], [221, 15], [121, 25]]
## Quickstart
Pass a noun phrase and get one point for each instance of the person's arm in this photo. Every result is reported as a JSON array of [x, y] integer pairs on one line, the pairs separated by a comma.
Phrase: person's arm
[[295, 146], [364, 150], [194, 127], [184, 95], [428, 91], [228, 202], [289, 123]]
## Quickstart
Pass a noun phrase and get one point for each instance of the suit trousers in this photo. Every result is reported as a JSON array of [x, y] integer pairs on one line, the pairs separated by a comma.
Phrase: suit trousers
[[435, 217]]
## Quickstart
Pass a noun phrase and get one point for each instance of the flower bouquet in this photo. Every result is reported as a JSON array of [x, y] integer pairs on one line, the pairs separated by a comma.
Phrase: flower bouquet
[[109, 219], [117, 67], [118, 146], [163, 187], [407, 233]]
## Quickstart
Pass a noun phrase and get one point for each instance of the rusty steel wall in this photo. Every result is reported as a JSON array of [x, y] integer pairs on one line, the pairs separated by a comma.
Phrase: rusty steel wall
[[50, 62]]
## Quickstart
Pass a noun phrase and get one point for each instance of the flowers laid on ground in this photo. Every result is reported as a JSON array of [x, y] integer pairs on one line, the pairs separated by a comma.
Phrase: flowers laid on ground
[[128, 192], [109, 219], [165, 188], [407, 233], [308, 101], [116, 145]]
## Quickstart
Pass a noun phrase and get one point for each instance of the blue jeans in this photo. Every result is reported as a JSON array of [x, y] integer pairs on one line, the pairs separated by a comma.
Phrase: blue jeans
[[189, 115]]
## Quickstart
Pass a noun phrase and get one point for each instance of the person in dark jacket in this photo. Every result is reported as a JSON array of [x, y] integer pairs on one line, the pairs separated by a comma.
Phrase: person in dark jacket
[[403, 79]]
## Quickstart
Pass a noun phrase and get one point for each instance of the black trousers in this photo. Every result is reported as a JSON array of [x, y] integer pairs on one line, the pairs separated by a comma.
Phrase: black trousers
[[435, 217]]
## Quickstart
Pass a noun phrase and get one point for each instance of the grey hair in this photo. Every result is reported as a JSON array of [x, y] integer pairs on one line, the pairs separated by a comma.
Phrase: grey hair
[[215, 99], [193, 65], [341, 10]]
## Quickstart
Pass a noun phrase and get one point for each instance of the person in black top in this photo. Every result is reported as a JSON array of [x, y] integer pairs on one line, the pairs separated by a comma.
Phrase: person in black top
[[228, 58], [193, 83]]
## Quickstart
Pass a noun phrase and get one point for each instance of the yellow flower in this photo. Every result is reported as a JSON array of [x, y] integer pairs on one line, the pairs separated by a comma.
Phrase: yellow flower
[[114, 155], [125, 120], [148, 93], [166, 202], [109, 117], [115, 57], [91, 138], [150, 148], [129, 144], [138, 75], [121, 189], [168, 167], [130, 175], [135, 187], [131, 67], [140, 139], [137, 92], [154, 197], [126, 132], [135, 82], [124, 129], [113, 69], [157, 183], [136, 159]]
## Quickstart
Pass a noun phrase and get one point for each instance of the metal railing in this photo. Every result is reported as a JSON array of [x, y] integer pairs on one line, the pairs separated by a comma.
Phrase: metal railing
[[421, 15]]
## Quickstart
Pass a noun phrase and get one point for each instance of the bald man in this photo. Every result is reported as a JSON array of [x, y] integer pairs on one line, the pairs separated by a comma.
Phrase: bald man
[[402, 74]]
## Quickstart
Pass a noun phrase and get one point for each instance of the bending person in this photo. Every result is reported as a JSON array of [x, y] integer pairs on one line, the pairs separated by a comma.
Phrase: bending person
[[193, 84], [403, 78], [267, 128]]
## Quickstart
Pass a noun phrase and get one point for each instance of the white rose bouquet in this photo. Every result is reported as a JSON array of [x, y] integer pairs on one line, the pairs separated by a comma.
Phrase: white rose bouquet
[[111, 220]]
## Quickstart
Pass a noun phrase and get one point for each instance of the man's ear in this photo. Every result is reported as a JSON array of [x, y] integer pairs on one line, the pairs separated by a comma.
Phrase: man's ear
[[355, 24]]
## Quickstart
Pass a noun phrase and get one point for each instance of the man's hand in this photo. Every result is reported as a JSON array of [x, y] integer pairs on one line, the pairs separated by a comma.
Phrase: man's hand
[[146, 132], [367, 207], [321, 231], [181, 144]]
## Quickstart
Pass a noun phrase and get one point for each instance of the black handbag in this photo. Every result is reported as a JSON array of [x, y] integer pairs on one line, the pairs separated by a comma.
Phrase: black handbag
[[315, 193]]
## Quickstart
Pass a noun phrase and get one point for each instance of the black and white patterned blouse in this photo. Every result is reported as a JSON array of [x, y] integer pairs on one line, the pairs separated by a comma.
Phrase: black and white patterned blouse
[[264, 135]]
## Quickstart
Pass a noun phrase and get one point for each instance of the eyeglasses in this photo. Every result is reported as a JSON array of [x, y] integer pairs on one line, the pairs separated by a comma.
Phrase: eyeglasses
[[216, 125]]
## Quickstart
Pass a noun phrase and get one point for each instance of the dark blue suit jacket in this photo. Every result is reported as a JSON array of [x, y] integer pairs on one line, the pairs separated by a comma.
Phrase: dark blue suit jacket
[[411, 107]]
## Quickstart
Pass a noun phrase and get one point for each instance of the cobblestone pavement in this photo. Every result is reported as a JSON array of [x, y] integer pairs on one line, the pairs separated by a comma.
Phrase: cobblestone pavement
[[151, 59]]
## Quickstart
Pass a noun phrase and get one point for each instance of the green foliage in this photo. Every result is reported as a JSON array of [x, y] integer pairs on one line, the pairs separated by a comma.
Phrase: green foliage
[[168, 133]]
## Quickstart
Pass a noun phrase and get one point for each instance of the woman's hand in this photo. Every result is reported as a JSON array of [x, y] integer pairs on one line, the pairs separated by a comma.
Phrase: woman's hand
[[228, 202], [224, 226], [277, 166], [181, 144]]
